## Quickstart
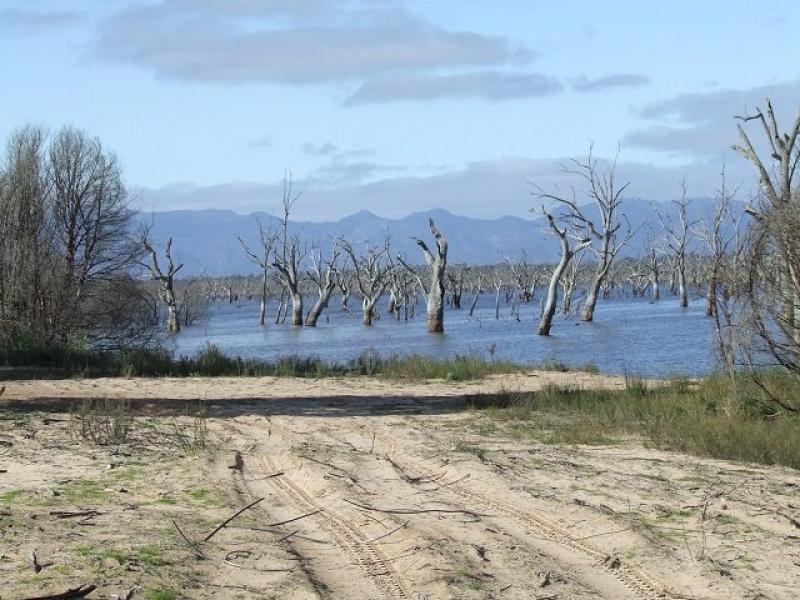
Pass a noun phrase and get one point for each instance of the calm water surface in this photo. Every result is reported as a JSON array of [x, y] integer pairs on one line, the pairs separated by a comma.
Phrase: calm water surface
[[628, 335]]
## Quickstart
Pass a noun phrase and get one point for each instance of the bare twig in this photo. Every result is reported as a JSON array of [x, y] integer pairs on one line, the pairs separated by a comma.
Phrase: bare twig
[[231, 518]]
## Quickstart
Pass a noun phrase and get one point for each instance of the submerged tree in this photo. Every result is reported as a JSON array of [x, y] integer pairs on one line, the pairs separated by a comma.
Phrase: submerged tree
[[678, 237], [290, 256], [372, 269], [607, 197], [564, 235], [266, 239], [323, 275], [166, 279], [435, 288]]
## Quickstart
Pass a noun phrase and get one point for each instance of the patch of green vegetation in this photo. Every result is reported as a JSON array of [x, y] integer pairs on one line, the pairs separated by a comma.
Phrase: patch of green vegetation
[[83, 490], [150, 556], [213, 362], [111, 553], [10, 496], [199, 495], [159, 593], [708, 418], [168, 500]]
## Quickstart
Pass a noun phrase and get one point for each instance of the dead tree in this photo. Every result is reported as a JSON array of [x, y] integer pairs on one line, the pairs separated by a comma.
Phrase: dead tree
[[266, 239], [345, 279], [323, 275], [456, 277], [607, 197], [653, 267], [775, 278], [497, 282], [716, 242], [568, 252], [372, 270], [678, 241], [525, 275], [290, 255], [569, 281], [434, 290], [165, 280]]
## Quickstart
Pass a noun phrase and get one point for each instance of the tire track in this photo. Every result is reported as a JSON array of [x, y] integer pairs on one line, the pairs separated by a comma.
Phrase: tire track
[[636, 582], [639, 584], [346, 535]]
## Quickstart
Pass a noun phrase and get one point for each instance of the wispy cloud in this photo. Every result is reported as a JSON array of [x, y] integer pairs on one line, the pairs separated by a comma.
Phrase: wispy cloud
[[32, 20], [585, 84], [488, 85], [323, 149]]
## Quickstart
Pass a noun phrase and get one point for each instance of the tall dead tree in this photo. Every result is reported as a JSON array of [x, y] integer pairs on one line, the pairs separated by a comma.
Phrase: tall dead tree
[[290, 256], [678, 237], [435, 288], [323, 275], [775, 261], [599, 179], [266, 239], [166, 279], [372, 269], [716, 242], [568, 252]]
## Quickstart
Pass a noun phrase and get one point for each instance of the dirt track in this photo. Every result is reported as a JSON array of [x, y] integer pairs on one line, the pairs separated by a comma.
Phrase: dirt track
[[390, 491]]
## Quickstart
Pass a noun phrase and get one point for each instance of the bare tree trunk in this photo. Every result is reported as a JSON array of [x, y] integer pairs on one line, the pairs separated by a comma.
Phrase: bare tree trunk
[[297, 308], [683, 298], [654, 284], [546, 322], [262, 309], [368, 310], [437, 263], [474, 302]]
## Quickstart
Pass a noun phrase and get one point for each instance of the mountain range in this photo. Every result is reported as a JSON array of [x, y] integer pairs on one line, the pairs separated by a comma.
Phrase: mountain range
[[206, 241]]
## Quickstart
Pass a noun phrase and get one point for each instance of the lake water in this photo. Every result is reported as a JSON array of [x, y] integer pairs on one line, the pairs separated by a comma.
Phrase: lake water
[[628, 335]]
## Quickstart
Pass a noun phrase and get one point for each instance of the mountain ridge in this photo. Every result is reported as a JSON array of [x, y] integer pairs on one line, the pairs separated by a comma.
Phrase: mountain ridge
[[207, 240]]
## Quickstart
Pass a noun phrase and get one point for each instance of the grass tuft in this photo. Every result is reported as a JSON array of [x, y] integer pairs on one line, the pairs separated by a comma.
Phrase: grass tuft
[[707, 418]]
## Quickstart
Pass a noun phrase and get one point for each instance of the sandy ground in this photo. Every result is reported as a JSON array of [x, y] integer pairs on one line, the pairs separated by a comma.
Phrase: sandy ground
[[370, 489]]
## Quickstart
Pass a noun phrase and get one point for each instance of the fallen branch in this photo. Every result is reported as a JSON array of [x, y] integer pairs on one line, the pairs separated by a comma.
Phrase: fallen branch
[[192, 544], [287, 536], [267, 477], [231, 518], [78, 592], [286, 522], [414, 511], [71, 514]]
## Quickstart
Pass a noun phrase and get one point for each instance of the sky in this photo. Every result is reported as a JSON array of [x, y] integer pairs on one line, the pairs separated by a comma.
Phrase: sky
[[399, 106]]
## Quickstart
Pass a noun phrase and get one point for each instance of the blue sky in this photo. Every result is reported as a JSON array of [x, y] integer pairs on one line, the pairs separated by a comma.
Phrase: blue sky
[[397, 106]]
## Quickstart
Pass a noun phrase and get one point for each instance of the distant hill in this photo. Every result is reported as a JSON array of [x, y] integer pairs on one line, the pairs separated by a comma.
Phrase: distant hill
[[206, 240]]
